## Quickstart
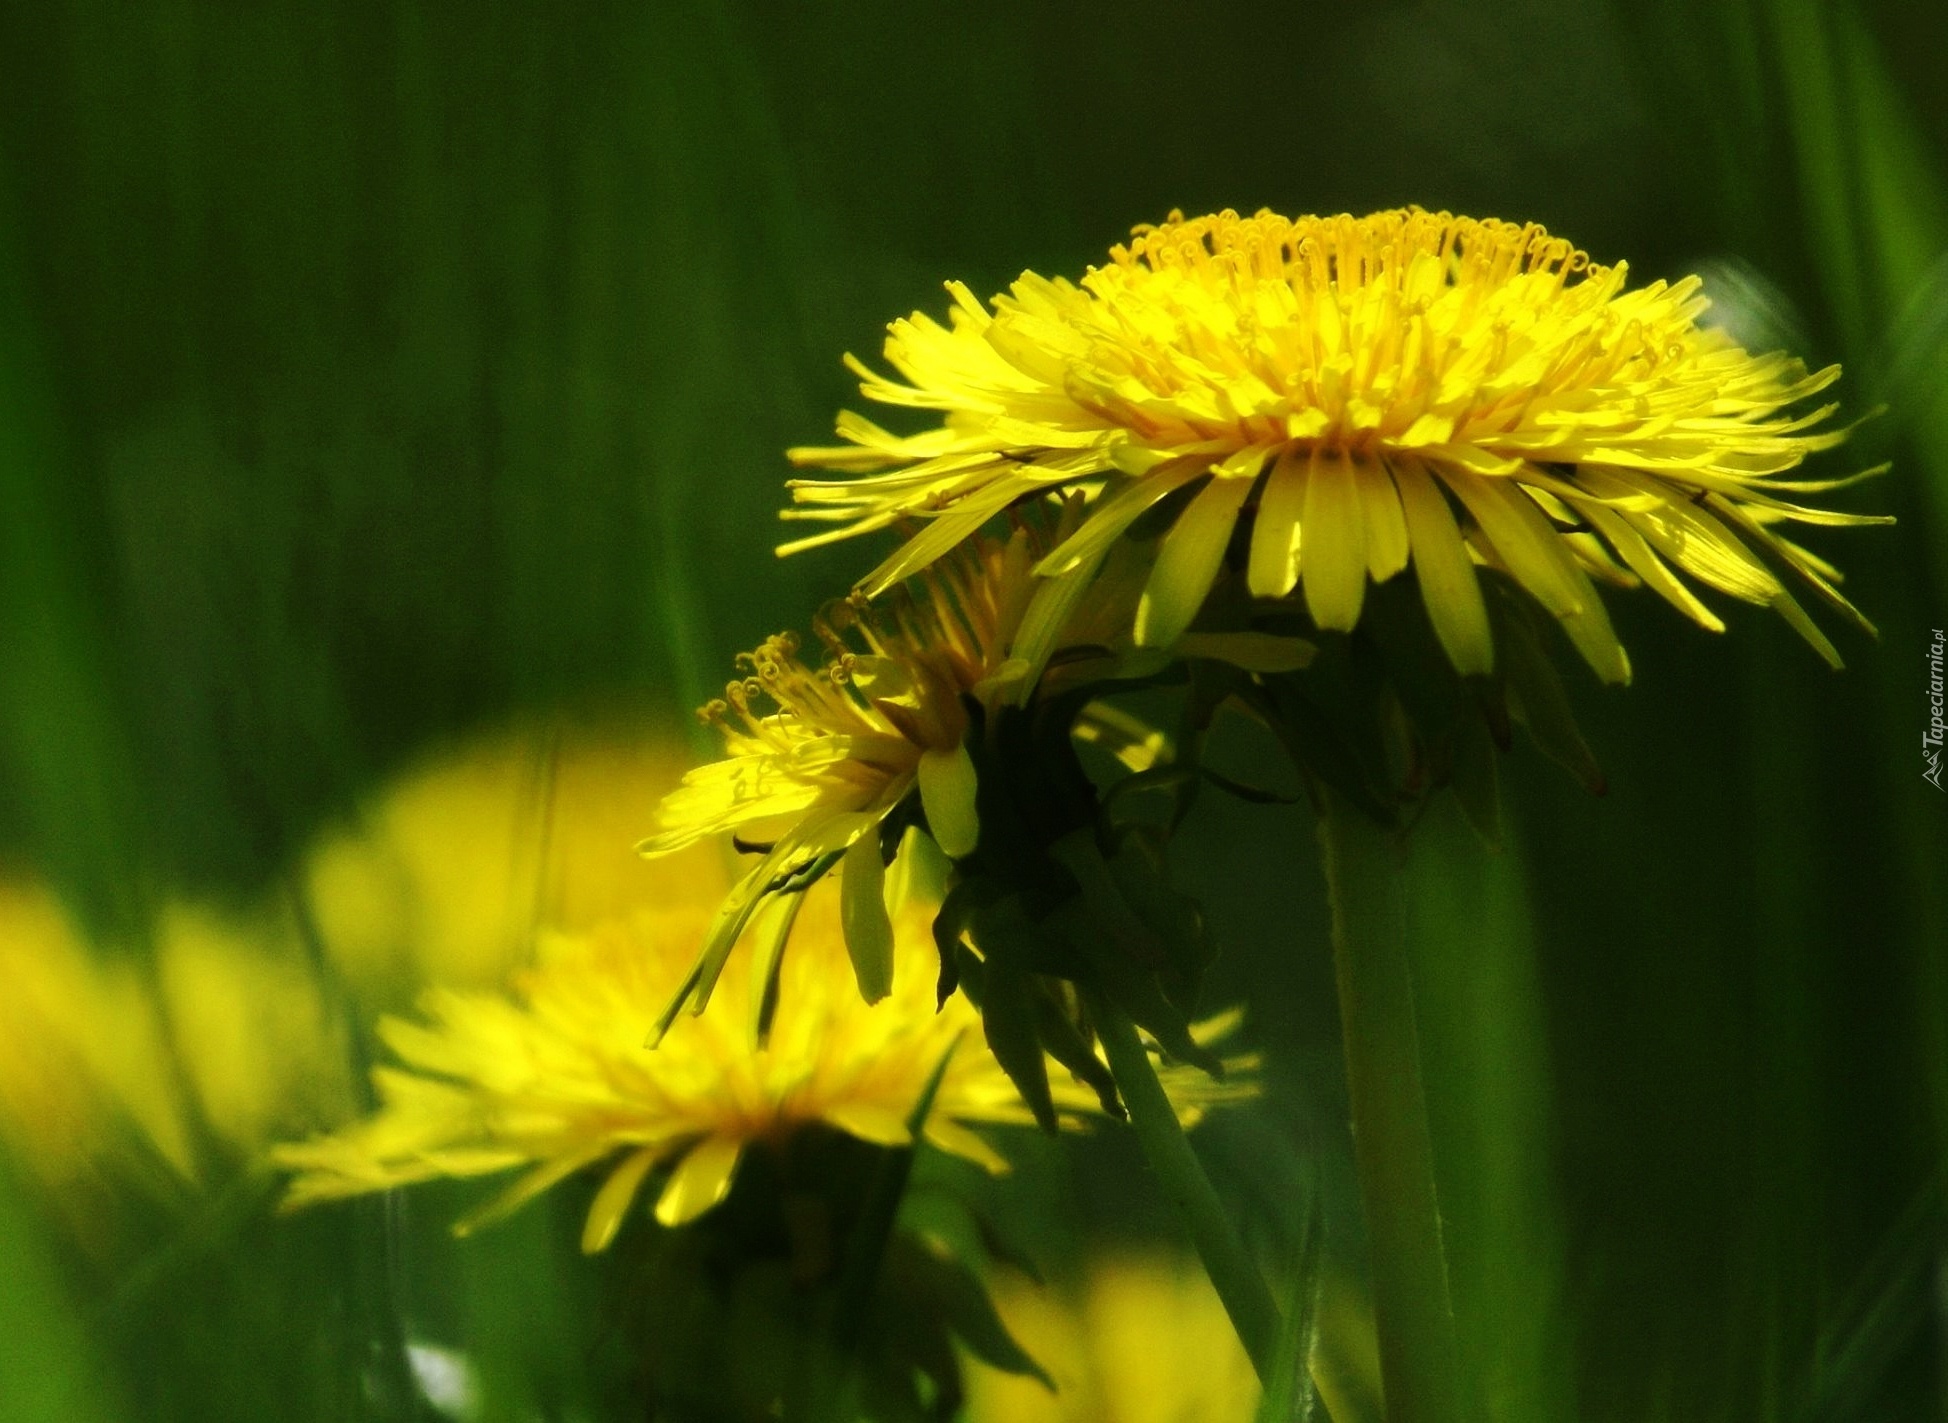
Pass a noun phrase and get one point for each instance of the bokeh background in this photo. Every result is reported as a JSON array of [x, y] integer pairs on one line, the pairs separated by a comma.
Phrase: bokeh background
[[377, 377]]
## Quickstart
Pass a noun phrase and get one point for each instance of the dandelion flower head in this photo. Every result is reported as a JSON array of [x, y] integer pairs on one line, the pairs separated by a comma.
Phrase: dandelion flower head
[[1142, 1337], [554, 1078], [82, 1051], [1334, 399], [113, 1079], [443, 875], [815, 748], [821, 753]]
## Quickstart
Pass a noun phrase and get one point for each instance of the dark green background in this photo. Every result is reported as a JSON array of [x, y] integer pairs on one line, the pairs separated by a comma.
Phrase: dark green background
[[369, 373]]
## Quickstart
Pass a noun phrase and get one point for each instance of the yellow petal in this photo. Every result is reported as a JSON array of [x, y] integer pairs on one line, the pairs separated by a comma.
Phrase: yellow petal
[[1386, 526], [947, 788], [1189, 560], [540, 1179], [1788, 608], [1524, 539], [1116, 512], [1335, 544], [1590, 630], [1645, 563], [1447, 576], [1274, 564], [868, 929], [940, 535], [1542, 562], [1047, 615], [612, 1202], [957, 1140], [700, 1181], [869, 1121]]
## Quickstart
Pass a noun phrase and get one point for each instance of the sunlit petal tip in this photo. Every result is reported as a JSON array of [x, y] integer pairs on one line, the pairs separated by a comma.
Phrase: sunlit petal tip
[[612, 1202], [699, 1181], [1188, 562]]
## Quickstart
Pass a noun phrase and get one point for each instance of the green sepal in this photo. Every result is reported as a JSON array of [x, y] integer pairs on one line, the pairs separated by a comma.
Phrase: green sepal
[[1123, 802], [998, 1247], [773, 875], [1317, 748], [951, 923], [1068, 1045], [1008, 1019], [927, 1277], [1475, 779], [768, 959], [971, 975], [1134, 989], [1103, 901], [1251, 795], [1004, 932], [1142, 875], [862, 914], [1538, 699], [1419, 673]]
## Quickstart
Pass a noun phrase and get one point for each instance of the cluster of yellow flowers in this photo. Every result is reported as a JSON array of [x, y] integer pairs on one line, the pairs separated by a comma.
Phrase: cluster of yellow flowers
[[1222, 444], [1210, 465], [497, 887]]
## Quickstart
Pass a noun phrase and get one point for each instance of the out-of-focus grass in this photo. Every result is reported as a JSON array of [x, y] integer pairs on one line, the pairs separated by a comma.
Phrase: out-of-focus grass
[[1880, 217], [71, 770], [48, 1363]]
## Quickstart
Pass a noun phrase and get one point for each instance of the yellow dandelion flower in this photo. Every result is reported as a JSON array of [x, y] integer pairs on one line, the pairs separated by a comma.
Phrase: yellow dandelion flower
[[448, 870], [1143, 1338], [819, 756], [262, 1047], [883, 713], [555, 1077], [107, 1073], [1358, 395], [82, 1053]]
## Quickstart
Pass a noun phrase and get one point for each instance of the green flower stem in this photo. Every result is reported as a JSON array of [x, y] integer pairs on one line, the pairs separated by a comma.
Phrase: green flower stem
[[1391, 1144], [1236, 1279]]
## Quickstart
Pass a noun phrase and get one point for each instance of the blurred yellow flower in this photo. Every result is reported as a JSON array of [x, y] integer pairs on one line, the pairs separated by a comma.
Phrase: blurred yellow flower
[[83, 1062], [449, 870], [1143, 1340], [107, 1073], [556, 1078], [1356, 393], [263, 1049]]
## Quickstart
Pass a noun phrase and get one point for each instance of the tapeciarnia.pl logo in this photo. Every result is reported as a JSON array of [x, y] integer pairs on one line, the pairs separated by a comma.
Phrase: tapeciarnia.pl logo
[[1931, 738]]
